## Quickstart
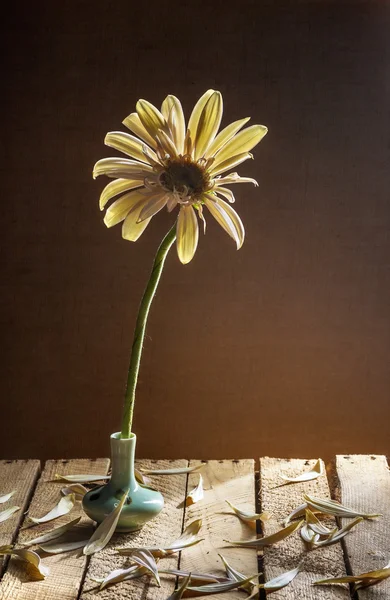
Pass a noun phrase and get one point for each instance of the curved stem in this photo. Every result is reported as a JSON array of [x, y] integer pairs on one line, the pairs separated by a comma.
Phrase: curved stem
[[140, 327]]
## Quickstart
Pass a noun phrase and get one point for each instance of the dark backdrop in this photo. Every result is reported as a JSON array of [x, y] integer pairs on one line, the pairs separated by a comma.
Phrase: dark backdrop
[[281, 348]]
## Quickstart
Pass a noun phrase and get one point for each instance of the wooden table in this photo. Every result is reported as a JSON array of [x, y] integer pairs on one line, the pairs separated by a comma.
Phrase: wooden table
[[359, 481]]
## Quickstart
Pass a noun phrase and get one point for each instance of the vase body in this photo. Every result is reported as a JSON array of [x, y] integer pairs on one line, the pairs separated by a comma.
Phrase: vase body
[[142, 503]]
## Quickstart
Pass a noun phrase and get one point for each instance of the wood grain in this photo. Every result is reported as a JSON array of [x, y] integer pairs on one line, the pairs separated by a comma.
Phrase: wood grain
[[223, 480], [365, 485], [280, 500], [165, 528], [18, 475], [66, 570]]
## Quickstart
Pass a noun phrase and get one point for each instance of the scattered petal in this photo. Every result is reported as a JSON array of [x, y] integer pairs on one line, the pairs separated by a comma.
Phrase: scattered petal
[[105, 530], [235, 575], [315, 472], [199, 577], [64, 506], [6, 497], [145, 559], [53, 534], [75, 488], [6, 514], [179, 471], [315, 525], [35, 566], [196, 494], [58, 547], [281, 581], [188, 538], [119, 575], [217, 588], [270, 539], [338, 534], [363, 580], [178, 594], [248, 517], [84, 478], [335, 509]]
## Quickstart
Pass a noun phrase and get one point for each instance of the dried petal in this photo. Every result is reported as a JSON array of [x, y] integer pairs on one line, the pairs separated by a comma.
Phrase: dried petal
[[248, 517], [188, 538], [331, 507], [75, 488], [35, 566], [6, 497], [315, 472], [338, 534], [145, 559], [119, 575], [6, 514], [53, 534], [64, 506], [281, 581], [270, 539], [105, 530], [178, 594], [58, 547], [82, 478], [199, 577], [235, 575], [363, 580], [196, 494], [178, 471], [315, 525], [217, 588]]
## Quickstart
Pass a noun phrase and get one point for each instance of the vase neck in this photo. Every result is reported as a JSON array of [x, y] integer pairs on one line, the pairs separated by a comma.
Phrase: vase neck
[[122, 462]]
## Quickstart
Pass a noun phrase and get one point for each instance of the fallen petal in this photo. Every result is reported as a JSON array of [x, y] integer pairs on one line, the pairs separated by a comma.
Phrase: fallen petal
[[196, 494], [53, 534], [75, 488], [178, 471], [248, 517], [84, 478], [105, 530], [64, 506], [270, 539], [35, 566], [331, 507], [281, 581], [6, 497], [6, 514], [315, 472]]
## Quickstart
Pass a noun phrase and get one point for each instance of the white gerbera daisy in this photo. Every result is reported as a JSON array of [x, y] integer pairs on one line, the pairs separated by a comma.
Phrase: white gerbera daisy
[[171, 165]]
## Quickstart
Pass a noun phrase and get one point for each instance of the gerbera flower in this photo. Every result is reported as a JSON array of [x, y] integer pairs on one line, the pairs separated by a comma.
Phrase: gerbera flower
[[177, 166]]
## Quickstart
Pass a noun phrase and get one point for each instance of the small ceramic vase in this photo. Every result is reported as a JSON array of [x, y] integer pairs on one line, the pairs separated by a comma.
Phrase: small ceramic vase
[[142, 503]]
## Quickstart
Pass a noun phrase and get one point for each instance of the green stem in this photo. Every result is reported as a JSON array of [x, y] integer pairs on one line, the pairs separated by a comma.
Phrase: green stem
[[140, 327]]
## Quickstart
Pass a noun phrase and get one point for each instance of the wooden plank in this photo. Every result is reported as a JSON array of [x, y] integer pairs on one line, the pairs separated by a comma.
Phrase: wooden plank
[[365, 485], [163, 529], [232, 480], [18, 475], [66, 570], [280, 500]]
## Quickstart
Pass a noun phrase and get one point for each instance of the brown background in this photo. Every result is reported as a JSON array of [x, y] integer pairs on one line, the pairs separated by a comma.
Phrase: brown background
[[281, 348]]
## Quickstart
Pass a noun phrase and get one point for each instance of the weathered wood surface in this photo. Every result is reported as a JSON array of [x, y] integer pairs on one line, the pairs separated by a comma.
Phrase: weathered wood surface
[[66, 570], [18, 475], [163, 529], [223, 480], [365, 485], [363, 482], [280, 500]]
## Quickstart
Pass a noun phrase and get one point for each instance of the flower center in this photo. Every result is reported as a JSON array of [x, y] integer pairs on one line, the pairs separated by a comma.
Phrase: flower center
[[185, 178]]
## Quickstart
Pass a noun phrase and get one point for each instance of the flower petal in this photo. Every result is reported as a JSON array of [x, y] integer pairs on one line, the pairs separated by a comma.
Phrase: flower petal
[[131, 229], [229, 220], [229, 163], [152, 207], [121, 167], [208, 125], [133, 122], [128, 144], [116, 187], [173, 112], [224, 136], [197, 111], [119, 210], [226, 193], [104, 532], [234, 178], [167, 146], [150, 117], [187, 234], [242, 142]]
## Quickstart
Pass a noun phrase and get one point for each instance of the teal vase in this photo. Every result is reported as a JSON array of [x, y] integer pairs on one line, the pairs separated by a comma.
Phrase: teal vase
[[142, 503]]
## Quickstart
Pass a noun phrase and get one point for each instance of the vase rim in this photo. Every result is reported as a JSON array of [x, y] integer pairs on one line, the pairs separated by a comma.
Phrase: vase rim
[[117, 436]]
